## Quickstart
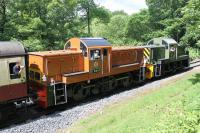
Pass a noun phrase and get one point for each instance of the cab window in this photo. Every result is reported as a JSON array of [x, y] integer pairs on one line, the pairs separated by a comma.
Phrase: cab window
[[95, 54], [165, 44], [83, 49], [68, 46], [37, 76], [31, 74]]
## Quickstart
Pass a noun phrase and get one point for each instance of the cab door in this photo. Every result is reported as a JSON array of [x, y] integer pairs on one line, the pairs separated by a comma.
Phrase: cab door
[[95, 63], [4, 81]]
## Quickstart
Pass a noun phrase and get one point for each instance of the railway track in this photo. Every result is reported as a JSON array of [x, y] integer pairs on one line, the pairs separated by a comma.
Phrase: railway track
[[194, 63], [33, 112]]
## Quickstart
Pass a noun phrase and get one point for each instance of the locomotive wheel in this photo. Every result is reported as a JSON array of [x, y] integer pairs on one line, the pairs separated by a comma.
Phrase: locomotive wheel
[[79, 93], [95, 90], [113, 85], [126, 83], [1, 117], [131, 82]]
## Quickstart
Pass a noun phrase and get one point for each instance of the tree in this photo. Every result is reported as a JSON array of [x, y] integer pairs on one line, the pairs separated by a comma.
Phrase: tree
[[166, 17], [191, 18], [2, 15], [139, 26], [88, 11], [3, 19]]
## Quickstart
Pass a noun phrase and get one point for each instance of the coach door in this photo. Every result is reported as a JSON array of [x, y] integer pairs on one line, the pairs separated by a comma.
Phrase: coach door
[[4, 77]]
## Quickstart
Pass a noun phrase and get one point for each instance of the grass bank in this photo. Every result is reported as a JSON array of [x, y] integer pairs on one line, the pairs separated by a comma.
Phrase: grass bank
[[173, 108]]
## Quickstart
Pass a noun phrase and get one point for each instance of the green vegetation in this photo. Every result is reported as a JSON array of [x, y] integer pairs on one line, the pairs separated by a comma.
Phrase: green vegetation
[[173, 108], [194, 53], [47, 24]]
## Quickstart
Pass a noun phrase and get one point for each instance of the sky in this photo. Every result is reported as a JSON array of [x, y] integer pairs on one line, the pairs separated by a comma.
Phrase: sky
[[129, 6]]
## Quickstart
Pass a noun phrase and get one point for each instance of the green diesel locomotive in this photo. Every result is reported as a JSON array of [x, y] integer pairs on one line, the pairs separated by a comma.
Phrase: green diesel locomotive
[[164, 56]]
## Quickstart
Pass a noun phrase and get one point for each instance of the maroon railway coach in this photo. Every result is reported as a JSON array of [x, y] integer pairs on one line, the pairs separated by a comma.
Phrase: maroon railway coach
[[13, 88]]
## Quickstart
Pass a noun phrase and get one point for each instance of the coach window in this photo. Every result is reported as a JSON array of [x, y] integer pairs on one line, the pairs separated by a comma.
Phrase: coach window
[[12, 74]]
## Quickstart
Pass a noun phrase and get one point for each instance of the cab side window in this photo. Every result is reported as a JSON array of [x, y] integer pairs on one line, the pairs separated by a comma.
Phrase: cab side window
[[12, 74], [36, 76], [83, 49], [105, 52], [165, 44], [68, 46], [95, 54], [31, 74]]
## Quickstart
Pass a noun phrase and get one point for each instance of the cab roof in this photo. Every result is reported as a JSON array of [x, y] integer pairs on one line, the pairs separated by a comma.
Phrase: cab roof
[[91, 42], [84, 43]]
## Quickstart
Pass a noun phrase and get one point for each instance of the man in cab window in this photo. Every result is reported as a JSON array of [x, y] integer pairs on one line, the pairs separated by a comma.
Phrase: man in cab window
[[17, 69]]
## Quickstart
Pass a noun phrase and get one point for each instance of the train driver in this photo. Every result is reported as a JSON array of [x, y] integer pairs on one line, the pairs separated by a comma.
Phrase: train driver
[[17, 69]]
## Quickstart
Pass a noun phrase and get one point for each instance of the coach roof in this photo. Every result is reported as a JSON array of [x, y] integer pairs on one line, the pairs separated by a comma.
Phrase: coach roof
[[11, 48]]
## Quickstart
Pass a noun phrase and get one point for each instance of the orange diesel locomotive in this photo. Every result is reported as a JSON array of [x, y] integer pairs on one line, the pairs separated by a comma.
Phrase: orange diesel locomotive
[[86, 66]]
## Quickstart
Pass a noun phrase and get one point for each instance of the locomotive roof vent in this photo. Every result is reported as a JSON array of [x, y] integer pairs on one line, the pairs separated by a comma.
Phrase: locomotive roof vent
[[11, 48]]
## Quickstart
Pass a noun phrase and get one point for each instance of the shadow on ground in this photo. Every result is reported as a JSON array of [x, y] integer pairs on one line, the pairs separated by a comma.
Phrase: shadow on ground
[[195, 79]]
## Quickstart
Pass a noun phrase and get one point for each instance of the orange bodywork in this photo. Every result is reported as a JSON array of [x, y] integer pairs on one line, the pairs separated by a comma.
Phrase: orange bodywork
[[126, 59], [54, 64], [71, 66]]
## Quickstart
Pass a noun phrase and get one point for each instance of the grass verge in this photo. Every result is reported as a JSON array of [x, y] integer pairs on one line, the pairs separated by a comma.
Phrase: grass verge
[[173, 108]]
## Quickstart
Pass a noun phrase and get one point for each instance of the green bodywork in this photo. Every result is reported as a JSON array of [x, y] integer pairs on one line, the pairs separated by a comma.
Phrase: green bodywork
[[166, 49], [50, 96]]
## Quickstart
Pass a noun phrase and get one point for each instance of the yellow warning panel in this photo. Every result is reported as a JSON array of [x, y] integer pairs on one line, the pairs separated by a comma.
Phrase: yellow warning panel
[[147, 52], [149, 71]]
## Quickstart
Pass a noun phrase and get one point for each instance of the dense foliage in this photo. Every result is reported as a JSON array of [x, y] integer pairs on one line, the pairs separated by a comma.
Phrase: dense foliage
[[47, 24]]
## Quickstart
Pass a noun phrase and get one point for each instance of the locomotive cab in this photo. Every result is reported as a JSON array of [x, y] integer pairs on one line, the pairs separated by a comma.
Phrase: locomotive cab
[[167, 55], [96, 52]]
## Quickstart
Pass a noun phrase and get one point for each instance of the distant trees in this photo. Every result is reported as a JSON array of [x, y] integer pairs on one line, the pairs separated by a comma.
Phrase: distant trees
[[47, 24], [3, 6]]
